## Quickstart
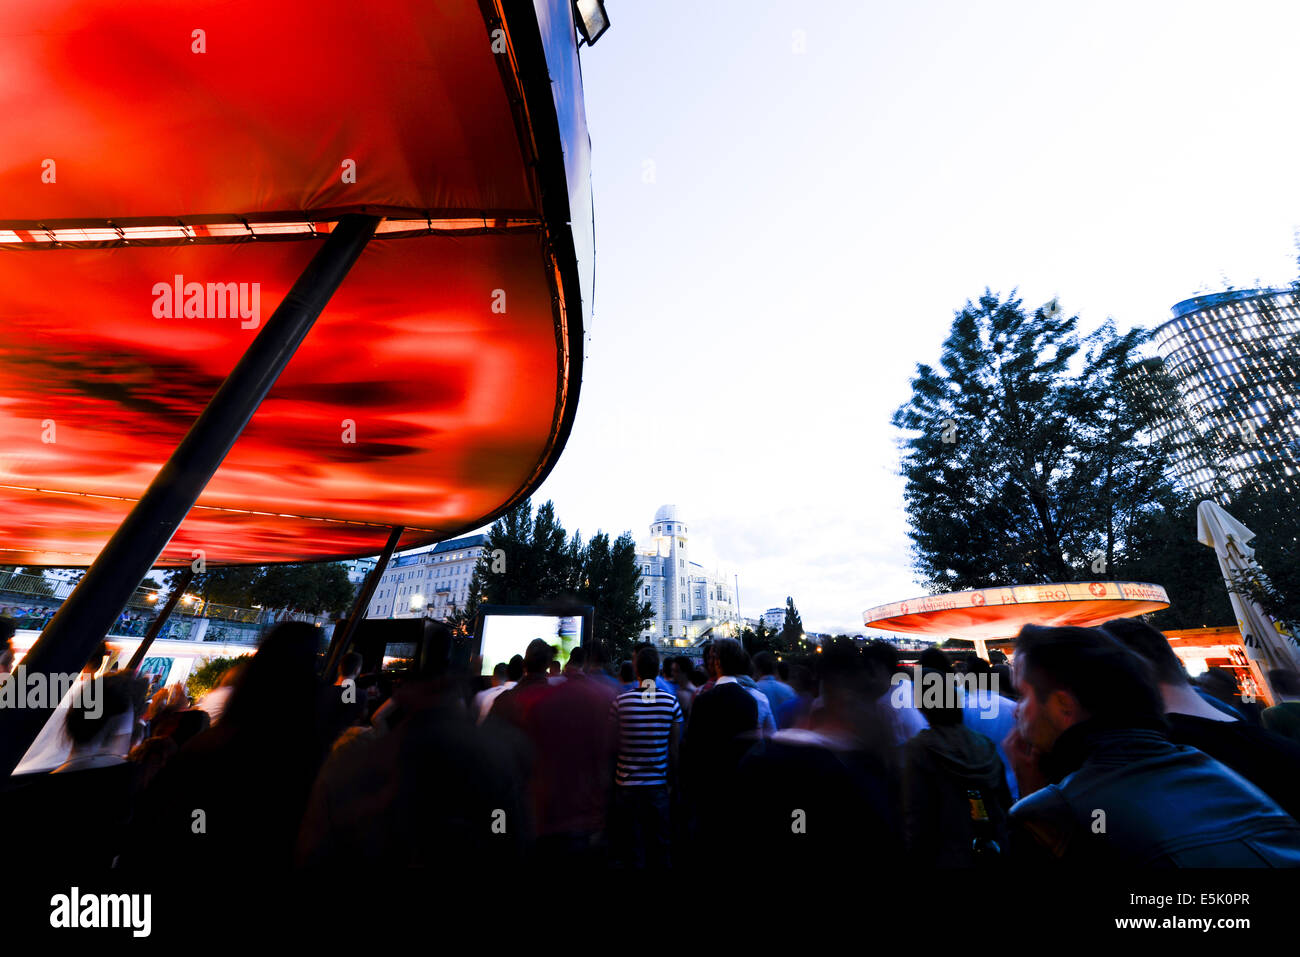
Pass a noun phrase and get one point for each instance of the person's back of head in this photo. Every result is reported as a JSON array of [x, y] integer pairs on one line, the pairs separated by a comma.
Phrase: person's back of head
[[731, 657], [1005, 684], [277, 691], [765, 664], [105, 704], [1152, 645], [1109, 682], [499, 672], [350, 666], [1285, 683], [933, 659], [880, 656], [627, 673], [537, 657], [515, 668], [973, 664], [577, 658], [783, 670], [1219, 683], [939, 709], [647, 663], [553, 668]]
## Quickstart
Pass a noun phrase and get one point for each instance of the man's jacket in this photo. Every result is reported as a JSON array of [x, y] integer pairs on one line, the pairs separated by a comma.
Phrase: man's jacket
[[1127, 796]]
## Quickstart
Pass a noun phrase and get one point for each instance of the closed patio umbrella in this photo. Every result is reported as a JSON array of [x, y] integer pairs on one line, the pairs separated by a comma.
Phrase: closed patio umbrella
[[1230, 539]]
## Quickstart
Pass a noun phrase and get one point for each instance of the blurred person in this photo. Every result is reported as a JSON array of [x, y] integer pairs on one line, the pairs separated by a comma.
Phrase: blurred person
[[76, 817], [646, 725], [897, 702], [250, 775], [437, 790], [1103, 784], [1284, 717], [795, 711], [7, 629], [341, 703], [955, 793], [807, 798], [569, 784], [724, 723], [684, 686], [777, 691], [1220, 685], [598, 666], [513, 705], [783, 671], [1269, 761], [627, 676], [576, 666], [986, 711], [553, 673], [1006, 683], [215, 701], [504, 677], [101, 730], [766, 720]]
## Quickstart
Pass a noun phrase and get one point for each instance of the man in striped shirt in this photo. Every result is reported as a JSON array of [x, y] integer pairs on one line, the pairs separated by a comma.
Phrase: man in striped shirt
[[646, 724]]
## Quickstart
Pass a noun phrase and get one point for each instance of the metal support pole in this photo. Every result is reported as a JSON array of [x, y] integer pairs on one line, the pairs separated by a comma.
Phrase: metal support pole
[[343, 634], [155, 626], [86, 615]]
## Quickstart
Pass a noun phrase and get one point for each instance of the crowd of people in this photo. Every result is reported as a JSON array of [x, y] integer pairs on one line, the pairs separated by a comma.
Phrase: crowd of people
[[1093, 749]]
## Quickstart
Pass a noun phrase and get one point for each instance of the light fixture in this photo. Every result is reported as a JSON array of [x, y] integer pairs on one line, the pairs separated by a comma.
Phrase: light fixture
[[592, 19]]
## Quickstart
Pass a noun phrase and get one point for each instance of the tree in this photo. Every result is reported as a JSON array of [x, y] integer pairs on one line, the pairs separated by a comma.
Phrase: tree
[[529, 560], [1028, 460], [311, 588], [792, 629]]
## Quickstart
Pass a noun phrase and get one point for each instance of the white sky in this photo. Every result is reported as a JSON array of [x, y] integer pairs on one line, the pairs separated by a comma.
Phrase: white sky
[[816, 218]]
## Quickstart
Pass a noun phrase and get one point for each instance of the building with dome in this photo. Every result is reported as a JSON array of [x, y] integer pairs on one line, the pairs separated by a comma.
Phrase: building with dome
[[689, 603]]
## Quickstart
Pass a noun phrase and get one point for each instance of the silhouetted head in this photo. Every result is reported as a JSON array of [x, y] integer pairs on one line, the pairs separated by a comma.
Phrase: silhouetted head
[[1285, 683], [1138, 636], [647, 663], [765, 664], [537, 657], [731, 657], [1069, 675], [934, 660], [515, 668], [277, 691]]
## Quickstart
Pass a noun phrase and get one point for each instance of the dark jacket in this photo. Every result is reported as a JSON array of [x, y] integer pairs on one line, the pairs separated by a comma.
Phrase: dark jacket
[[1128, 796], [721, 731], [1267, 760], [942, 767]]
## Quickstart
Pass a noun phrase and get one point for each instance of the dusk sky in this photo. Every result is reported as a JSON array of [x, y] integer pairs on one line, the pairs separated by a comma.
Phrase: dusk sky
[[814, 219]]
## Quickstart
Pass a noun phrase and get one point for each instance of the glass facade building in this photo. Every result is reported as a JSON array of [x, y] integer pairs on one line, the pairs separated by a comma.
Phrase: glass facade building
[[1228, 382]]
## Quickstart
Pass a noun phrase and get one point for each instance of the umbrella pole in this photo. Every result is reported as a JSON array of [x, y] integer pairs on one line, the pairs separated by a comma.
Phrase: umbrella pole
[[88, 613], [156, 626], [343, 632]]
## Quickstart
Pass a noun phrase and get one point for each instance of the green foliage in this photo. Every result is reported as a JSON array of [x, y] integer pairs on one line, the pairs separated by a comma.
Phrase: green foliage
[[538, 564], [205, 677], [1028, 461], [792, 628], [313, 588]]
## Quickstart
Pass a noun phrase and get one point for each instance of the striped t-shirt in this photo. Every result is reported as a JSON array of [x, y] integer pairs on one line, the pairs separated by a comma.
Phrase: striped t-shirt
[[645, 717]]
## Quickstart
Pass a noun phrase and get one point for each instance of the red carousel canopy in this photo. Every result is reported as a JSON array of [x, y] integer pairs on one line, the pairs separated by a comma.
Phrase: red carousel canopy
[[167, 171], [991, 613]]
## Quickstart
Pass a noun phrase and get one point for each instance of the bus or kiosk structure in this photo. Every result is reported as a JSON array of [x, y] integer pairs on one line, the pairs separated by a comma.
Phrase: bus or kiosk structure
[[278, 282]]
